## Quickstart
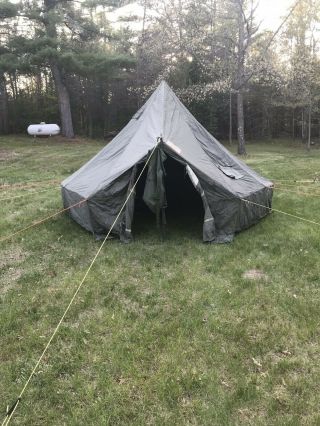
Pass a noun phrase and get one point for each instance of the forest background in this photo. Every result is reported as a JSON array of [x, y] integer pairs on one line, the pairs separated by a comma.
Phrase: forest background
[[88, 65]]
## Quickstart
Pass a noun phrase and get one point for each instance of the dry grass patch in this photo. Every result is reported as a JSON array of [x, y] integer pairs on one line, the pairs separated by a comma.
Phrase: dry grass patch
[[8, 155], [254, 275], [9, 279]]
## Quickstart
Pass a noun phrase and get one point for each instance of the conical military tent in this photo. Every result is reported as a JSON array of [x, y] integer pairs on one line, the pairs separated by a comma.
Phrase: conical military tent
[[222, 180]]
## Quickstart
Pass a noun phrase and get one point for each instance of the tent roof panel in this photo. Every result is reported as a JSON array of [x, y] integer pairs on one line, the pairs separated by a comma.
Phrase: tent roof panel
[[163, 115]]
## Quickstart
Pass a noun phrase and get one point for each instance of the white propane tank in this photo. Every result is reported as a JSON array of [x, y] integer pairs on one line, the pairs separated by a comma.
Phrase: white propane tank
[[43, 129]]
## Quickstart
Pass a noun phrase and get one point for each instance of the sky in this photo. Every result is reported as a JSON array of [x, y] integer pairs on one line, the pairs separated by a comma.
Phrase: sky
[[269, 12], [272, 12]]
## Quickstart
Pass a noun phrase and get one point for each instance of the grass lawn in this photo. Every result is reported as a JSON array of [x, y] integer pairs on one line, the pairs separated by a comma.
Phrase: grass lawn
[[169, 332]]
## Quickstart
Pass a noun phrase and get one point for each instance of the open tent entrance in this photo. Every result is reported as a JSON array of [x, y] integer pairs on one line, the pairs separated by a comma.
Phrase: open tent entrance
[[184, 210]]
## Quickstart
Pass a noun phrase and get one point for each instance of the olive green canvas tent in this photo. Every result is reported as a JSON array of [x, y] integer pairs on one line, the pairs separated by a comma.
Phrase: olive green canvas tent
[[222, 180]]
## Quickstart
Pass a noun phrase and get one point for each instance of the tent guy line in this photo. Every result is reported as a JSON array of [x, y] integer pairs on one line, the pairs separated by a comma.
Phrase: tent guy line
[[297, 192], [312, 186], [38, 222], [298, 186], [29, 193], [316, 180], [301, 191], [271, 209], [24, 185], [13, 408]]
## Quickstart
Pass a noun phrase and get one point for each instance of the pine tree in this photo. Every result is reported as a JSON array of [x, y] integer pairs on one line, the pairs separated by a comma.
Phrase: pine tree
[[8, 11]]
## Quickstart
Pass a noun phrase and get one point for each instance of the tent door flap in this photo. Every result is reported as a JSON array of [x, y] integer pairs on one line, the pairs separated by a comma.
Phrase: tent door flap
[[209, 230]]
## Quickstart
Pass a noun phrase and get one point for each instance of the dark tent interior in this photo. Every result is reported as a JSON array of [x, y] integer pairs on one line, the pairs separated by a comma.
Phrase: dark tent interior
[[185, 208]]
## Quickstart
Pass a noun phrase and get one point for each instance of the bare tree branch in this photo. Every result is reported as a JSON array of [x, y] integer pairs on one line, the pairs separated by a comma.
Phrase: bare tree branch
[[265, 50]]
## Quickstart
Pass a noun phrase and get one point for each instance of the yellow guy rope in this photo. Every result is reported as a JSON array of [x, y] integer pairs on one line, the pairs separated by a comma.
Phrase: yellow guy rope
[[306, 194], [28, 193], [315, 180], [8, 237], [299, 190], [12, 411], [298, 185], [279, 211], [23, 185]]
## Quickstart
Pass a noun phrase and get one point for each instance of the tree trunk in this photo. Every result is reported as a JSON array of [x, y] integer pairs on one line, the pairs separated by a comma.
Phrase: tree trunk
[[213, 23], [38, 90], [302, 125], [230, 118], [15, 83], [63, 101], [241, 140], [13, 90], [4, 125], [181, 50], [61, 89], [293, 124], [318, 125], [140, 54], [309, 129], [265, 121], [240, 81]]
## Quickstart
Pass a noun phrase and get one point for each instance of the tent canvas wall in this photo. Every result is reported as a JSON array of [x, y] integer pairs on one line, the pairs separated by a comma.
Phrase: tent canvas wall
[[222, 180]]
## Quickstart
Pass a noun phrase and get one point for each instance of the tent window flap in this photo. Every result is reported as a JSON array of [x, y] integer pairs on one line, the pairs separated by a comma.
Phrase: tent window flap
[[231, 172]]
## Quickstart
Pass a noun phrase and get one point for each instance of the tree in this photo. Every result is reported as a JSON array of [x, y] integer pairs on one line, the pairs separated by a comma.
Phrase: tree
[[303, 83], [8, 11], [246, 35]]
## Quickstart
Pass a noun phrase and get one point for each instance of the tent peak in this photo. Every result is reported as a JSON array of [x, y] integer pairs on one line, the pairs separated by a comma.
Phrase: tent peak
[[163, 83], [164, 86]]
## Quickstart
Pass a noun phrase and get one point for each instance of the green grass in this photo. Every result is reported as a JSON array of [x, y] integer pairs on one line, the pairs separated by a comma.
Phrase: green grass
[[162, 333]]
